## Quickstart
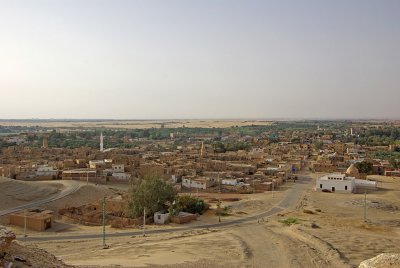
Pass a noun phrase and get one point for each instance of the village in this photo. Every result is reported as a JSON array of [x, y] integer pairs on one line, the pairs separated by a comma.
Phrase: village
[[225, 175]]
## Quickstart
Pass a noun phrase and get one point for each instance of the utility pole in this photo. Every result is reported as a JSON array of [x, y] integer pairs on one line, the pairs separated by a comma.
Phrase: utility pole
[[219, 200], [365, 205], [104, 223], [144, 221], [25, 235], [273, 189]]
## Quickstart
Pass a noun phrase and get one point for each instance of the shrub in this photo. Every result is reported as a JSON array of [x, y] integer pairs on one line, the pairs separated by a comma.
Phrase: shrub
[[223, 212], [290, 221], [189, 204]]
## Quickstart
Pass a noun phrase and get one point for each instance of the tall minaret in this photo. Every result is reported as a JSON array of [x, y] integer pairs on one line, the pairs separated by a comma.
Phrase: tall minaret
[[101, 142], [202, 149], [45, 142]]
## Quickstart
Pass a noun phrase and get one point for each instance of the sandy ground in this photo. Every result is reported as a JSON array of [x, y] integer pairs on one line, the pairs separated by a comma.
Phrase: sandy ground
[[179, 248], [249, 204], [14, 193], [267, 244], [342, 225], [138, 124]]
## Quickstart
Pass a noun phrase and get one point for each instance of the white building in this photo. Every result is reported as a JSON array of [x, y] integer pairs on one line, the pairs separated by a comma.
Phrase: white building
[[232, 182], [46, 171], [343, 183], [336, 183], [197, 183], [365, 185], [160, 217], [121, 175], [118, 168]]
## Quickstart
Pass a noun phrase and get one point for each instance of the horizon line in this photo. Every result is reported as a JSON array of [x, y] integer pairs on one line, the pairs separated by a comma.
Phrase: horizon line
[[213, 119]]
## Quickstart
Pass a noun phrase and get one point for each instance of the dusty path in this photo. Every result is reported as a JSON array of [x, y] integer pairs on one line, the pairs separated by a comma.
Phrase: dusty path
[[279, 247]]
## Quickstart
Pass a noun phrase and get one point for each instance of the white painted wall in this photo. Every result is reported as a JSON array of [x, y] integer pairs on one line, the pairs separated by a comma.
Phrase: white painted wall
[[340, 185]]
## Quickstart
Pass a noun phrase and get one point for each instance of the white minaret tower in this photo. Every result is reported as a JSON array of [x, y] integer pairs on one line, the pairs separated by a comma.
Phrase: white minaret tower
[[202, 149], [101, 142]]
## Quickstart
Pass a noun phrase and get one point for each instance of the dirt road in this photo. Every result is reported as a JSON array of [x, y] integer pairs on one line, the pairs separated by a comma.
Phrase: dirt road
[[282, 247]]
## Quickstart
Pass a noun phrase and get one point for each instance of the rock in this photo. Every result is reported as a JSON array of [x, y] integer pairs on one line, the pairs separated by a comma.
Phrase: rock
[[7, 264], [307, 211], [6, 237], [382, 261], [314, 226], [19, 258]]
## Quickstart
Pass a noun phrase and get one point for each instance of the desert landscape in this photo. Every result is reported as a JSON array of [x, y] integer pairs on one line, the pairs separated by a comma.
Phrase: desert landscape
[[134, 124], [199, 134], [328, 232]]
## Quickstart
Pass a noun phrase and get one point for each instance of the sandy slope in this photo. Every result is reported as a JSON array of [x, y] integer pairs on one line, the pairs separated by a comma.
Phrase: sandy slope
[[85, 195], [14, 193]]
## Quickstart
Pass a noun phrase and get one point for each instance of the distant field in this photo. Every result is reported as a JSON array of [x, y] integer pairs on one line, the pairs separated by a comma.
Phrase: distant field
[[132, 124]]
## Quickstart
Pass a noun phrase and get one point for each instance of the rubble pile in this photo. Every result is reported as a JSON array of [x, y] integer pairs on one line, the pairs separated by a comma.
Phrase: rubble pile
[[14, 254], [92, 215], [6, 238], [382, 261]]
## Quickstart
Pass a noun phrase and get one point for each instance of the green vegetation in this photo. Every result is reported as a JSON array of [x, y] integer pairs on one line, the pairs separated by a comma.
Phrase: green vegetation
[[222, 211], [394, 162], [385, 155], [318, 145], [4, 144], [290, 221], [382, 136], [221, 147], [152, 193], [364, 167], [188, 204]]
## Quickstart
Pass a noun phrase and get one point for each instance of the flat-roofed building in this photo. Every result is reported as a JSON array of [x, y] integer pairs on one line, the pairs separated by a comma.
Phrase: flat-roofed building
[[336, 182], [36, 219], [79, 174], [46, 172], [197, 183]]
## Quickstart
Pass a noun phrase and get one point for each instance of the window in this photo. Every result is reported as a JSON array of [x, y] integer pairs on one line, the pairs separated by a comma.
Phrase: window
[[345, 187], [320, 186]]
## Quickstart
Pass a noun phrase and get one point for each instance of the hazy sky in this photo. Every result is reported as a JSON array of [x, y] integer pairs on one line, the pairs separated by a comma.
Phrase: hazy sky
[[199, 59]]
